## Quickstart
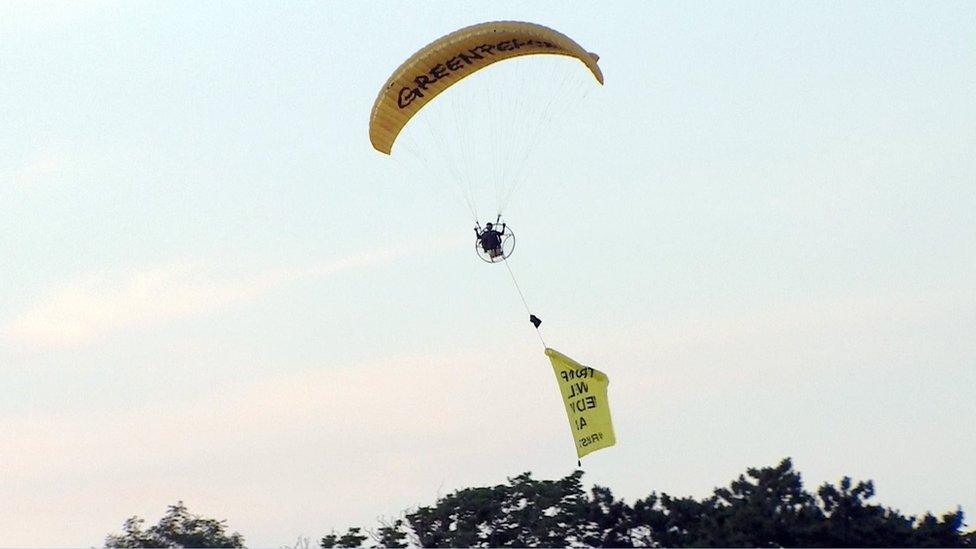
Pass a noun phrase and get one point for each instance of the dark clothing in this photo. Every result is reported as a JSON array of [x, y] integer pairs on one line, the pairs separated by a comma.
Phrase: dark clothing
[[490, 240]]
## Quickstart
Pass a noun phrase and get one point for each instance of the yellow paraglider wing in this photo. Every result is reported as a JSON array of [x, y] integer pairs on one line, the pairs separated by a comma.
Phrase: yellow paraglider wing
[[450, 58]]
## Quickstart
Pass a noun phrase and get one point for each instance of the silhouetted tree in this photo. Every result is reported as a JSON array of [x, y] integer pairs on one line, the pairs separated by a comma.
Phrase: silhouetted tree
[[178, 528], [525, 512], [607, 522], [391, 535], [944, 532], [352, 538], [765, 507]]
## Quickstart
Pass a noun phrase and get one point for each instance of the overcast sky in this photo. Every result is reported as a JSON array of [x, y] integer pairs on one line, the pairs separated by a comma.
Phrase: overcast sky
[[213, 289]]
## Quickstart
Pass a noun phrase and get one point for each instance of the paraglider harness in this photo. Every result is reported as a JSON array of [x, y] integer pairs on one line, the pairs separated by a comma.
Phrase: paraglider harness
[[493, 246], [490, 239]]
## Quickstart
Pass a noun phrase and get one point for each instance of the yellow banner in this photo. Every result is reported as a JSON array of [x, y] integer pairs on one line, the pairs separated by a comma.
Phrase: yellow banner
[[584, 391]]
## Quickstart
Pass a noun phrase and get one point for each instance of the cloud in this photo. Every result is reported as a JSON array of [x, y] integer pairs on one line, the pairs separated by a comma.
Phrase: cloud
[[303, 451], [325, 435], [95, 305], [356, 403]]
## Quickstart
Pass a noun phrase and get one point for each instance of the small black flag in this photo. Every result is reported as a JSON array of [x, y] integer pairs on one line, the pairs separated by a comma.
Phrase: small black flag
[[535, 321]]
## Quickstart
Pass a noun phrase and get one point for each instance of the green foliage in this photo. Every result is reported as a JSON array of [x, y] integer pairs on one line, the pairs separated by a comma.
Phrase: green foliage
[[765, 507], [523, 513], [178, 528], [352, 538], [391, 535]]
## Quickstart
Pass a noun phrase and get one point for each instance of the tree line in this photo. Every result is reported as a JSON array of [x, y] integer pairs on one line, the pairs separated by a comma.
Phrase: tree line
[[764, 507]]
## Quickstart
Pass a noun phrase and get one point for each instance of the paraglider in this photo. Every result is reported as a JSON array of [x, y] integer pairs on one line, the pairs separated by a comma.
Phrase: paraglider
[[444, 63], [513, 123], [494, 245]]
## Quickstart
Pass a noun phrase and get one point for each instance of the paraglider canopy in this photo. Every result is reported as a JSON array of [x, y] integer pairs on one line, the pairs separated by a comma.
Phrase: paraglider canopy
[[454, 56]]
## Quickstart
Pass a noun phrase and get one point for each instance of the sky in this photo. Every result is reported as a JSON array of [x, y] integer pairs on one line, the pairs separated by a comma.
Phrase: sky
[[213, 289]]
